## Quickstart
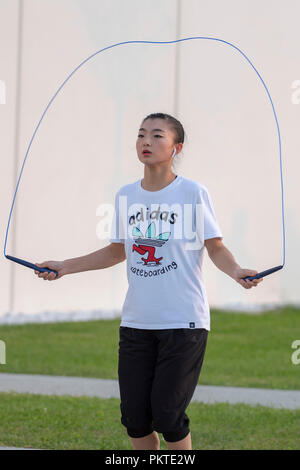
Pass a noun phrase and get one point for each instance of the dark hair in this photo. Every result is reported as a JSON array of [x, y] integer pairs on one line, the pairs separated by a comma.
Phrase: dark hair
[[174, 124]]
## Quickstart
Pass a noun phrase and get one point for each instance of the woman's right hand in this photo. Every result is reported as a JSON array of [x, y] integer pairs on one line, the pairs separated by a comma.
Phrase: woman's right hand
[[56, 265]]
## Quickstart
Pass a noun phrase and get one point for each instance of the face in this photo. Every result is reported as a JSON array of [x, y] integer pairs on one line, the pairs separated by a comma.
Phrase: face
[[157, 137]]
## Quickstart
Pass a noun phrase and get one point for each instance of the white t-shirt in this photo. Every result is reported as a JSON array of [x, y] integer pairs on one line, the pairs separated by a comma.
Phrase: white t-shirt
[[166, 288]]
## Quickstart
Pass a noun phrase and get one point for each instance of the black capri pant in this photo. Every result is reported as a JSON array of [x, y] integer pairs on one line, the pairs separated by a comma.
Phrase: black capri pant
[[158, 373]]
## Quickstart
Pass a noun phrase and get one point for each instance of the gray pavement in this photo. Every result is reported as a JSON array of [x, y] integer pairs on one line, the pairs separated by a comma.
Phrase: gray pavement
[[16, 448], [105, 388]]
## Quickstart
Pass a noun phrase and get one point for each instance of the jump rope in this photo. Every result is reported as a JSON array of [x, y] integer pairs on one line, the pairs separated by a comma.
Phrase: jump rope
[[257, 276]]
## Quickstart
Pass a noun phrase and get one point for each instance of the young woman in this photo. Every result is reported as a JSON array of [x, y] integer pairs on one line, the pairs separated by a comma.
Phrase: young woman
[[165, 316]]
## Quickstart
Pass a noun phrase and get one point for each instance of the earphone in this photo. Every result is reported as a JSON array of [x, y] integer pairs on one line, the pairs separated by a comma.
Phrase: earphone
[[173, 154]]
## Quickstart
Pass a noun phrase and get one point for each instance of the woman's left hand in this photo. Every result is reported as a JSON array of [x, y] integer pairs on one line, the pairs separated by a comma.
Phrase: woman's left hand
[[247, 284]]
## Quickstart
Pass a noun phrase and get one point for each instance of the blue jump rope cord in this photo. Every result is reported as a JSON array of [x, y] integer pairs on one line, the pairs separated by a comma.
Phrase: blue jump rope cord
[[155, 42]]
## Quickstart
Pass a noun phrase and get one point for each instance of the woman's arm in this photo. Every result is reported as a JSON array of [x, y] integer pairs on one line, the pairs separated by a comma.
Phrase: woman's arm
[[100, 259], [224, 260]]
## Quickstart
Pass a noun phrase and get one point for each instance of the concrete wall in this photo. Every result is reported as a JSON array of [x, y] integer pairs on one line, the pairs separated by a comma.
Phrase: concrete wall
[[84, 150]]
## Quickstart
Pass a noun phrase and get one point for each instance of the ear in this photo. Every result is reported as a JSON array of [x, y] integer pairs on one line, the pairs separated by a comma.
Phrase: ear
[[178, 148]]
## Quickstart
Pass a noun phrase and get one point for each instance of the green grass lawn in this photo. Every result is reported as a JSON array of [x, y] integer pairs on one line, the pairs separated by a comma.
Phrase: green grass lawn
[[60, 422], [243, 349]]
